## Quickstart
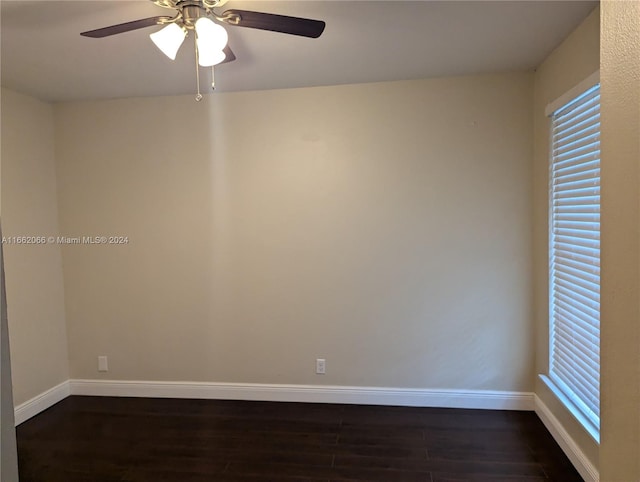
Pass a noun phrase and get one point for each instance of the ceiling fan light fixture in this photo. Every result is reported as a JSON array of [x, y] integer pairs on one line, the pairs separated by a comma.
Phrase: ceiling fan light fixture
[[211, 36], [210, 57], [169, 39]]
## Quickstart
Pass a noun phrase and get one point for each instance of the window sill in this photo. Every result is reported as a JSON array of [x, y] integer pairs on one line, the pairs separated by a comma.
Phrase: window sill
[[587, 424]]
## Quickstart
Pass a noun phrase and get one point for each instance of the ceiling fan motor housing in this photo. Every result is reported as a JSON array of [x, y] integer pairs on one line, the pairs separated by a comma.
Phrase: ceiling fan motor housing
[[191, 13], [178, 4]]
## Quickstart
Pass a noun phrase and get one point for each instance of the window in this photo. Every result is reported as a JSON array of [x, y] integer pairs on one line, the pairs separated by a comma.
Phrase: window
[[574, 257]]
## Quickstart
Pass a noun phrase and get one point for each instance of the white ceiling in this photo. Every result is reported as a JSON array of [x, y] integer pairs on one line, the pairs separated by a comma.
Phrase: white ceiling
[[365, 41]]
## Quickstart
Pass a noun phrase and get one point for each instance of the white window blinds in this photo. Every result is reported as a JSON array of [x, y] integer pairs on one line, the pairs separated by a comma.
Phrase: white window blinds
[[574, 264]]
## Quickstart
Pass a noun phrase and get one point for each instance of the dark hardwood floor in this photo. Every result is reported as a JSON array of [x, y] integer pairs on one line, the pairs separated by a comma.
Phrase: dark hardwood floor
[[98, 439]]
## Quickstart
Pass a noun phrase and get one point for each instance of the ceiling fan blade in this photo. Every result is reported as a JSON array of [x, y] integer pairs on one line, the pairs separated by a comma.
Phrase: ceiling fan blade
[[304, 27], [126, 27], [230, 56]]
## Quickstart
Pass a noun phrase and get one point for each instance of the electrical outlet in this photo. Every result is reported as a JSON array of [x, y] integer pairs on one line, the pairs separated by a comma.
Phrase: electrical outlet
[[321, 365], [103, 364]]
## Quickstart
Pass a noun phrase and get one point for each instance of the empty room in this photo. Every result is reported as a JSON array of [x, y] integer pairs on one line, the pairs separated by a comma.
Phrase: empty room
[[320, 240]]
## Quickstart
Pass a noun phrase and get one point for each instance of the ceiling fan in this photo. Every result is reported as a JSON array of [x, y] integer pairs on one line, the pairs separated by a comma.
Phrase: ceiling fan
[[210, 37]]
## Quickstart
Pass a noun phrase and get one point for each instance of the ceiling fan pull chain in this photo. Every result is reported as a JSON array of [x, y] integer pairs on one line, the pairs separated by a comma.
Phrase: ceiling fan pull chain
[[213, 79], [198, 95]]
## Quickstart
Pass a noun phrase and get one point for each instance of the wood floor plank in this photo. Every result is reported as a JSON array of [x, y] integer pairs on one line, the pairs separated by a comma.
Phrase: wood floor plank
[[383, 462]]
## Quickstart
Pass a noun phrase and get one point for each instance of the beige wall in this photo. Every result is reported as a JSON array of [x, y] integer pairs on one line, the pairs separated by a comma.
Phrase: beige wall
[[8, 451], [384, 227], [570, 63], [35, 294], [620, 346]]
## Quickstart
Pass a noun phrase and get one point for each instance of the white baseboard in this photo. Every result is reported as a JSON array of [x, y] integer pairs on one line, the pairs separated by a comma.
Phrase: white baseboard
[[39, 403], [410, 397], [579, 460], [483, 399]]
